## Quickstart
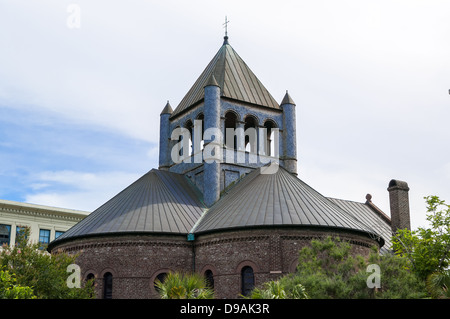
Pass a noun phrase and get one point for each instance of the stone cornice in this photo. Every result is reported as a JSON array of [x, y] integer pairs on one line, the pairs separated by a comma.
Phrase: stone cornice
[[41, 211]]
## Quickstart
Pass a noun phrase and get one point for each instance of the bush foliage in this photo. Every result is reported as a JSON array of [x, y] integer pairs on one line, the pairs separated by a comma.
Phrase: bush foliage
[[31, 267], [328, 270]]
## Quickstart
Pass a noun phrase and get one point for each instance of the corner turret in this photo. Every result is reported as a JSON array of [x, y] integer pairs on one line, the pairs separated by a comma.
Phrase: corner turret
[[164, 137], [212, 147], [289, 134]]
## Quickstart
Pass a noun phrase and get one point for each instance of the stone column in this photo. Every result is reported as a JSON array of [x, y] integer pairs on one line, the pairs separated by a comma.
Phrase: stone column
[[289, 134], [211, 175], [164, 137]]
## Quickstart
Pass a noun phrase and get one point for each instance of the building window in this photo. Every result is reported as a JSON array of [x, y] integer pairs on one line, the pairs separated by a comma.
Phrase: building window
[[271, 143], [44, 237], [5, 234], [90, 278], [251, 135], [247, 280], [209, 278], [107, 285], [161, 277], [230, 139], [22, 233], [58, 233], [201, 117], [190, 127]]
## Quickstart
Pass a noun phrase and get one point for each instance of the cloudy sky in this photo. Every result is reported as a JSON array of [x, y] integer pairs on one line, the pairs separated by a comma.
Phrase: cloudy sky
[[82, 84]]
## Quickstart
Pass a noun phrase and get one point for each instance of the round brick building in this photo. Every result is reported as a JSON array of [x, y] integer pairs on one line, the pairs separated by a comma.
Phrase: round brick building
[[158, 225], [230, 207]]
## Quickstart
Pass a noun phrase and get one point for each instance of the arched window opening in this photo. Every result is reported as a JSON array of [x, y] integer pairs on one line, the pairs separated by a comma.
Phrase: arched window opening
[[180, 144], [177, 150], [247, 280], [201, 117], [190, 126], [209, 278], [230, 123], [250, 127], [161, 278], [90, 278], [107, 285], [270, 144]]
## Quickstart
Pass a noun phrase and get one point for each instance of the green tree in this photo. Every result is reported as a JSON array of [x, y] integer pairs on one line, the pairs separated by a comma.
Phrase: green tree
[[328, 269], [438, 284], [287, 287], [428, 249], [47, 274], [9, 289], [184, 286]]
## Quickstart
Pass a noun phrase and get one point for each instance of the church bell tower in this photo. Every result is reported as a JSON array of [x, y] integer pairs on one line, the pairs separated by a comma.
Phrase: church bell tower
[[227, 125]]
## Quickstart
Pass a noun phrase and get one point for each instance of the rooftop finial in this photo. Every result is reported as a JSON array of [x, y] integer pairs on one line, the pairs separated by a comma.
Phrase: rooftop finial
[[226, 30]]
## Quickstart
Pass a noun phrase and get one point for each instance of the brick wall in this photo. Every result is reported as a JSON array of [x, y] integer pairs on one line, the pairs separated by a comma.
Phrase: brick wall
[[399, 205], [135, 261]]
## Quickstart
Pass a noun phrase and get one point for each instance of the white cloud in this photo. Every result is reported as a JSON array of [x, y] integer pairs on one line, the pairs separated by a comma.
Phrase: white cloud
[[446, 170], [78, 190]]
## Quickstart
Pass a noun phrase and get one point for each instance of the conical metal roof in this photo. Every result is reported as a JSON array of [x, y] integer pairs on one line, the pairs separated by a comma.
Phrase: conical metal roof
[[165, 202], [167, 109], [287, 99], [234, 78], [158, 202], [276, 199]]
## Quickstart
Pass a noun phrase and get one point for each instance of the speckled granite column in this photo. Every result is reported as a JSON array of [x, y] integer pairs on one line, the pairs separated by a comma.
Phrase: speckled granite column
[[289, 134], [211, 176], [164, 137]]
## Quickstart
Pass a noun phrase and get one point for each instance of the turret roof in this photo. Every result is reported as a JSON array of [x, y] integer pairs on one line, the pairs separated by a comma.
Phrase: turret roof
[[167, 109], [287, 99]]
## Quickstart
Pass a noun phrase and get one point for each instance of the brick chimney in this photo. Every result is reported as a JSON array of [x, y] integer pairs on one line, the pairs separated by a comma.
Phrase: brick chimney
[[399, 202]]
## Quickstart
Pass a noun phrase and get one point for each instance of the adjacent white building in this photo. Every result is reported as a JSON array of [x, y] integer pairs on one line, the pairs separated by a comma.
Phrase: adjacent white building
[[46, 223]]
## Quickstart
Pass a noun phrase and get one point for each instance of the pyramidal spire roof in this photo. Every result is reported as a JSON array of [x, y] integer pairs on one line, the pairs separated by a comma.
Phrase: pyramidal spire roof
[[234, 78]]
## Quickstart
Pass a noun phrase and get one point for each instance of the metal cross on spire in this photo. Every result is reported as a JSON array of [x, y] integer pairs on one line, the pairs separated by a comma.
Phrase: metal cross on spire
[[226, 26]]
